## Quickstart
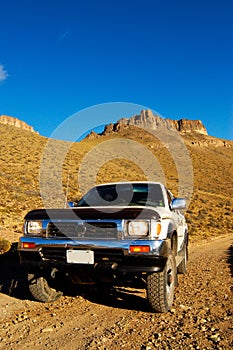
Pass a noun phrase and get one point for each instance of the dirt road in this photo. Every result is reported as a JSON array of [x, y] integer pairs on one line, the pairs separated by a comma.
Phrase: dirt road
[[202, 316]]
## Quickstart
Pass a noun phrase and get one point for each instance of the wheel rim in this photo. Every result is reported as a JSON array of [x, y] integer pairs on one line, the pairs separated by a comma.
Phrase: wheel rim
[[169, 282]]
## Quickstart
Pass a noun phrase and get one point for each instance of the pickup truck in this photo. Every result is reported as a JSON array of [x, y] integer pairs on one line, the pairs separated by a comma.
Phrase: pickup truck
[[116, 232]]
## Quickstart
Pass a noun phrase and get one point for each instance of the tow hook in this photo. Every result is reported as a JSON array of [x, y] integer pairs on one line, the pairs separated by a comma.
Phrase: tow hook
[[53, 272], [114, 266]]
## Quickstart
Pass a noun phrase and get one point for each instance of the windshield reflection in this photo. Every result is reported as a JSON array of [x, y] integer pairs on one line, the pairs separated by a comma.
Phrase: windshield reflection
[[123, 195]]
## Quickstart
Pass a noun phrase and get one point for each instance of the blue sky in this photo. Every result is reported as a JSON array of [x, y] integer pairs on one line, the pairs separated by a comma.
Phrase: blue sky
[[173, 56]]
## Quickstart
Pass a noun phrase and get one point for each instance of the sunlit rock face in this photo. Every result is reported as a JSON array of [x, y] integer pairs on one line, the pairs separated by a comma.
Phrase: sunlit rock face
[[7, 120], [147, 120]]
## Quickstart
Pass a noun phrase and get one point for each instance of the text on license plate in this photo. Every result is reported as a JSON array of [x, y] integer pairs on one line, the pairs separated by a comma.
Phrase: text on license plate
[[80, 256]]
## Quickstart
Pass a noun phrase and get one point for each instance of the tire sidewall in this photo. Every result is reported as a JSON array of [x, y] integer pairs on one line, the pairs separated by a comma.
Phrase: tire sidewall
[[169, 270]]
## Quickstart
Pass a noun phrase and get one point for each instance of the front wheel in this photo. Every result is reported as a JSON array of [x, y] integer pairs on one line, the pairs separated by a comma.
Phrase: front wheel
[[40, 289], [160, 286]]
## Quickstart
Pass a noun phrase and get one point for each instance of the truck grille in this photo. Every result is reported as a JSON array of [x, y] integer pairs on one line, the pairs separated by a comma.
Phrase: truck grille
[[85, 230]]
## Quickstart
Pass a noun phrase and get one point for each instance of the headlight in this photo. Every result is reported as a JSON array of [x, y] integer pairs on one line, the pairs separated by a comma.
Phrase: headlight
[[34, 227], [138, 228]]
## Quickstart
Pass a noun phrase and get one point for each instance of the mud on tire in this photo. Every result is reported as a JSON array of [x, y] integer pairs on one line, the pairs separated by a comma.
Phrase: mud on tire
[[160, 286]]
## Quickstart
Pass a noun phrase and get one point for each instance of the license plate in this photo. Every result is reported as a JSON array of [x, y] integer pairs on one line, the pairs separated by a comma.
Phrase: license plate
[[80, 256]]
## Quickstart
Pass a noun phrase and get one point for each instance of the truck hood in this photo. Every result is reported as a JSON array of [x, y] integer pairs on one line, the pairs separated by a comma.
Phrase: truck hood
[[94, 213]]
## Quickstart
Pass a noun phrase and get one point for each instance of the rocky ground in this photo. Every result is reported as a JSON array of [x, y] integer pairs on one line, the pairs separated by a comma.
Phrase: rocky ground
[[201, 318]]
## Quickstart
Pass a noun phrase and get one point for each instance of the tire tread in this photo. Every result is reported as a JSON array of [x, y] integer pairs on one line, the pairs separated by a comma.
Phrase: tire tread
[[156, 288], [40, 290]]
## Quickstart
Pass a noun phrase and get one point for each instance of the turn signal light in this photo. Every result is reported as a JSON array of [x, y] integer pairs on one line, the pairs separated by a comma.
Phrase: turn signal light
[[158, 228], [28, 245], [139, 249]]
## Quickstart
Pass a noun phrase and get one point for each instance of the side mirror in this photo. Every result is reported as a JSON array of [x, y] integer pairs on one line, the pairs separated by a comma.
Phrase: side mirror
[[178, 203]]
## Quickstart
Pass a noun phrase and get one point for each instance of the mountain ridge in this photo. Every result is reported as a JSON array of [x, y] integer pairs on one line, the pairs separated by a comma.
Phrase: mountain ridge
[[146, 119], [194, 131], [8, 120]]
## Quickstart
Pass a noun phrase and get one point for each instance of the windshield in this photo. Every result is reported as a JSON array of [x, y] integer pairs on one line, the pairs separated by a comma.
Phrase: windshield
[[123, 195]]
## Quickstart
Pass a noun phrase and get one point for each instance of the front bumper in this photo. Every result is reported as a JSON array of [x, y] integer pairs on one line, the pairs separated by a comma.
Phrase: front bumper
[[115, 255]]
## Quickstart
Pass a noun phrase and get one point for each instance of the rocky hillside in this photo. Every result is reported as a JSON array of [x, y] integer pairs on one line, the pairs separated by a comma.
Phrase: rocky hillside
[[6, 120], [210, 211]]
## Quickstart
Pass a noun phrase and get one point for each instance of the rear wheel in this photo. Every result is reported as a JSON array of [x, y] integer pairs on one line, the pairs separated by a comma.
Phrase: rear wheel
[[41, 290], [160, 286]]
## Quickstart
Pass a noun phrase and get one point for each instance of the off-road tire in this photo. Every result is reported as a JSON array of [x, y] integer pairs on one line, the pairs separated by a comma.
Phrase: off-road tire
[[182, 267], [160, 286], [40, 289]]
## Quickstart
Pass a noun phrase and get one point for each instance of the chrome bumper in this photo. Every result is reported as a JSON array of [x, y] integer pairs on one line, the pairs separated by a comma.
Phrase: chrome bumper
[[156, 246], [117, 251]]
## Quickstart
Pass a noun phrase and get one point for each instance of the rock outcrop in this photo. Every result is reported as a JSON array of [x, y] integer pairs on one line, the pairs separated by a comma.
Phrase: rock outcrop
[[209, 142], [147, 120], [7, 120], [187, 125], [92, 135]]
